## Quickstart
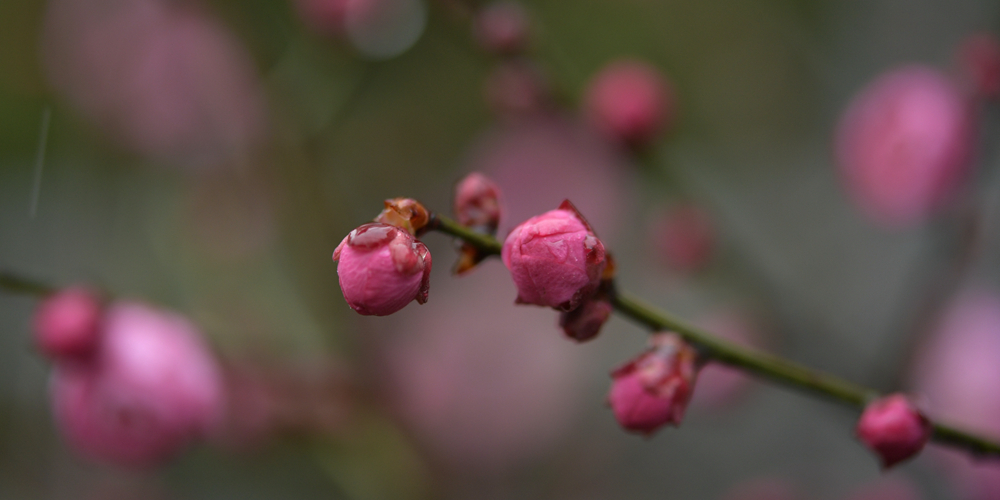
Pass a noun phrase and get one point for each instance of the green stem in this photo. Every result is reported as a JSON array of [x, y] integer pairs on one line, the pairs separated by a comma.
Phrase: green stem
[[759, 363], [17, 284]]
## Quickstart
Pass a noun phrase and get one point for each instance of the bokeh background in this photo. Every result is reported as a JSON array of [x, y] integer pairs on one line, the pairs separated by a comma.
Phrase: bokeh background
[[208, 156]]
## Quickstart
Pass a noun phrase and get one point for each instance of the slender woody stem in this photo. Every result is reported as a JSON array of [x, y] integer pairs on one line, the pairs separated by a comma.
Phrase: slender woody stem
[[17, 284], [759, 363]]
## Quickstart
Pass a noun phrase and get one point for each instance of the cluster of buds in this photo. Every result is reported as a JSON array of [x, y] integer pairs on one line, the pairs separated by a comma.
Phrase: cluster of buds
[[132, 385], [555, 260]]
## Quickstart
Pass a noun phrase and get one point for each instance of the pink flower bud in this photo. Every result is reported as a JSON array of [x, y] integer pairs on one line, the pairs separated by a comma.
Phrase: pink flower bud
[[382, 268], [893, 428], [502, 27], [66, 323], [979, 58], [477, 202], [685, 238], [654, 389], [904, 144], [152, 388], [585, 322], [554, 259], [629, 102]]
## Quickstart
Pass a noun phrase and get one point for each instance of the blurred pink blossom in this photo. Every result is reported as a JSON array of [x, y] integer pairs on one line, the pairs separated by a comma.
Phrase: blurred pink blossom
[[152, 388], [956, 369], [629, 102], [163, 78], [485, 385], [904, 144]]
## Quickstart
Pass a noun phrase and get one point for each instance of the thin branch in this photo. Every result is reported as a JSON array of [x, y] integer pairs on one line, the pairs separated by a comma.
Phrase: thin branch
[[758, 363], [17, 284]]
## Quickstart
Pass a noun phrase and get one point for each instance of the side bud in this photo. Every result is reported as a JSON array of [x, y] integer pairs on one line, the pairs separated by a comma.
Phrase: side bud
[[66, 323], [653, 389], [554, 259], [894, 429], [477, 203], [585, 322], [382, 268]]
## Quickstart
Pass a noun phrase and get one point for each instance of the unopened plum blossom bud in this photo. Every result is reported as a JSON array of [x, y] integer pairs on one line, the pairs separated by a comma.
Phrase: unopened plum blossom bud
[[904, 144], [502, 27], [477, 202], [629, 102], [979, 58], [585, 322], [66, 323], [382, 268], [893, 428], [554, 259], [653, 389], [152, 388]]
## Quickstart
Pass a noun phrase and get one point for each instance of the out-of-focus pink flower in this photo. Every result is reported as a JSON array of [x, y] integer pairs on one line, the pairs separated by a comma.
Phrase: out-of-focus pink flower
[[163, 78], [477, 202], [585, 322], [685, 238], [554, 259], [653, 389], [152, 388], [905, 144], [66, 323], [893, 428], [382, 268], [629, 102], [502, 27], [979, 58], [478, 384], [887, 488], [956, 370]]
